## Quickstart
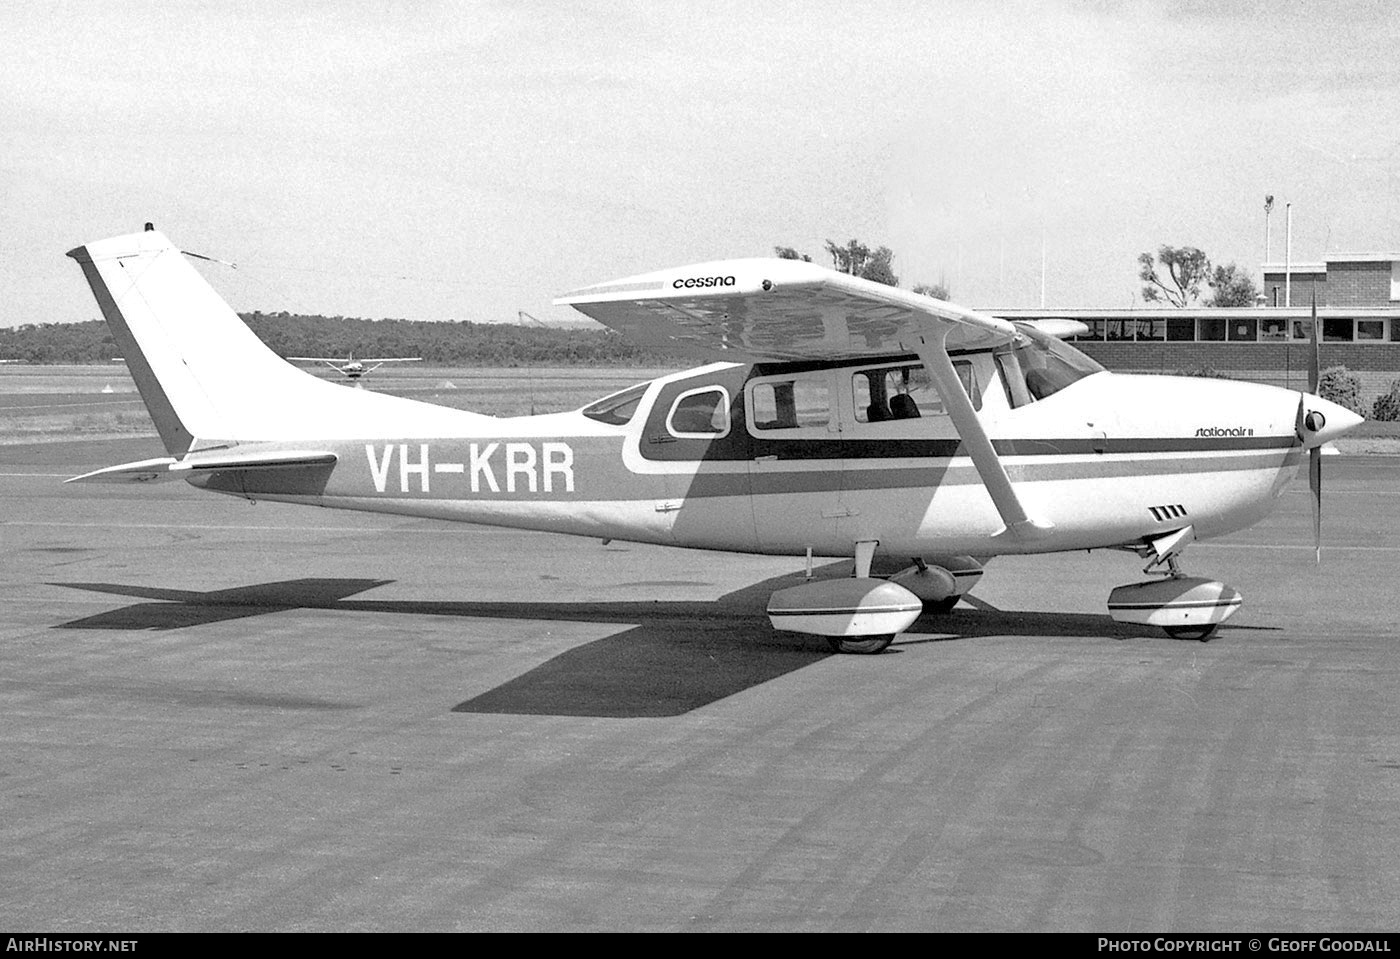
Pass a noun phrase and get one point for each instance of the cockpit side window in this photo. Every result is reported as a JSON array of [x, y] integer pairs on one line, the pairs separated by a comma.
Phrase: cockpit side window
[[906, 392], [700, 413], [1038, 365]]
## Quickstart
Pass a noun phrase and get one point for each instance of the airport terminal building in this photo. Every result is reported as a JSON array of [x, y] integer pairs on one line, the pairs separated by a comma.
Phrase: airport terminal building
[[1358, 306]]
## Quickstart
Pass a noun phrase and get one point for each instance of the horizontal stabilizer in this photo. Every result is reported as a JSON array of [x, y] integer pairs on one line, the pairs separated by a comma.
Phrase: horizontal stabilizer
[[168, 467]]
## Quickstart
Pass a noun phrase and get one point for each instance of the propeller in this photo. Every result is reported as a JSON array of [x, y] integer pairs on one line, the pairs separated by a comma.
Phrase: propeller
[[1315, 454], [1324, 421]]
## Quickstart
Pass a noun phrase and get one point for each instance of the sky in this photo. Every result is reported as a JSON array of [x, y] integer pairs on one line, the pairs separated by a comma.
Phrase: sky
[[469, 161]]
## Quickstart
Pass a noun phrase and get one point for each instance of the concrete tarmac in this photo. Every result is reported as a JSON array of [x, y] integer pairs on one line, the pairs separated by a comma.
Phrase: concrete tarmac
[[220, 716]]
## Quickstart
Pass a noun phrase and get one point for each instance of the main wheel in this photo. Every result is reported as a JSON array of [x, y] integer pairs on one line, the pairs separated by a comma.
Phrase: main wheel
[[864, 645], [941, 605], [1203, 633]]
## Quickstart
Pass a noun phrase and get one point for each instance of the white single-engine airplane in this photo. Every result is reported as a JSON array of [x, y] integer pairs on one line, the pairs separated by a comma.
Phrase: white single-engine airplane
[[845, 419], [353, 368]]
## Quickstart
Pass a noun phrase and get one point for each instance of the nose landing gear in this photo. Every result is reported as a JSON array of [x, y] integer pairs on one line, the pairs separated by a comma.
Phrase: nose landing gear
[[1184, 607]]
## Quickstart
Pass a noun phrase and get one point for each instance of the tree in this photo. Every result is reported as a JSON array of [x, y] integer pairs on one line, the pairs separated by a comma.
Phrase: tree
[[1341, 386], [1187, 268], [1232, 286], [858, 259], [788, 253], [939, 291], [1387, 406]]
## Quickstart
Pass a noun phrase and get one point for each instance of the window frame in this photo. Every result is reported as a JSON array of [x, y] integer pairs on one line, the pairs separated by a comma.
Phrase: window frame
[[751, 407], [725, 402], [972, 389]]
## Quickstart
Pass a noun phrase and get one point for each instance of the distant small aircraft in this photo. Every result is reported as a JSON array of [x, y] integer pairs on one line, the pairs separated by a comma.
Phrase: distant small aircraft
[[845, 419], [352, 367]]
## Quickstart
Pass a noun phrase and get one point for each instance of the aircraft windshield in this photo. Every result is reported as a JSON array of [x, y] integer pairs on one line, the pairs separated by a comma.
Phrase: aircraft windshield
[[1039, 365], [617, 409]]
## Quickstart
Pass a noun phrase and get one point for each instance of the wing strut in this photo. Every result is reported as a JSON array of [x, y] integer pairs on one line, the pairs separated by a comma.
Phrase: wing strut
[[932, 348]]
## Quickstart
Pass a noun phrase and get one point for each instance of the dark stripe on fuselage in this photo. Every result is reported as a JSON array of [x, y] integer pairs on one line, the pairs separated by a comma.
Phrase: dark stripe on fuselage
[[892, 448], [692, 450], [851, 477]]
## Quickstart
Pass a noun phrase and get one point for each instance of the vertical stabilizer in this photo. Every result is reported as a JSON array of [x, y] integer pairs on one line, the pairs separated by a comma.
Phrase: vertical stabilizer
[[206, 378], [146, 289]]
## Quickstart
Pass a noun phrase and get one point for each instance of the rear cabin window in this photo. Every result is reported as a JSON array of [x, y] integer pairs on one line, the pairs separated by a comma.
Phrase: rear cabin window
[[617, 409], [703, 412], [790, 404], [906, 392]]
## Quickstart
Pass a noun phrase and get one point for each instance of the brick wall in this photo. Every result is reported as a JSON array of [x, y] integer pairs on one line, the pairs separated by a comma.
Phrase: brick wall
[[1358, 284], [1344, 284], [1303, 285], [1280, 364]]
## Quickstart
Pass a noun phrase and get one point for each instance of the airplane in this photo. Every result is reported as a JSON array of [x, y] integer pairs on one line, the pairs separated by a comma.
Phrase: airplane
[[351, 367], [838, 418]]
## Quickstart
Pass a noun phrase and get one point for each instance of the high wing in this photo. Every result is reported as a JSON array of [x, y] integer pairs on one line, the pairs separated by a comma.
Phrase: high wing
[[766, 309]]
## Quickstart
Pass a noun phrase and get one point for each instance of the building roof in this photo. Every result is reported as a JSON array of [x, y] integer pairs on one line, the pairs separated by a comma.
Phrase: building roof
[[1361, 257], [1295, 268], [1277, 266], [1212, 312]]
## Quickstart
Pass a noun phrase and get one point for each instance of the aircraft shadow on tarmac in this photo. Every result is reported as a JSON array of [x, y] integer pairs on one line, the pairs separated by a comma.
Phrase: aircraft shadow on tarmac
[[679, 656]]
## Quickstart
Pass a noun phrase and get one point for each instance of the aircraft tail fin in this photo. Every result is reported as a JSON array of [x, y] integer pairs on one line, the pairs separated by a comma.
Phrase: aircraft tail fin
[[205, 377], [171, 327]]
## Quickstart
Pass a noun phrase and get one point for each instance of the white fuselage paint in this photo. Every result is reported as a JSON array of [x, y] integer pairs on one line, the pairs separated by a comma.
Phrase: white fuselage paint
[[567, 473]]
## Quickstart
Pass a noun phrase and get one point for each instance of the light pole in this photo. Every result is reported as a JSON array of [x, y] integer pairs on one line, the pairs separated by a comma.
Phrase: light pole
[[1288, 257], [1268, 208]]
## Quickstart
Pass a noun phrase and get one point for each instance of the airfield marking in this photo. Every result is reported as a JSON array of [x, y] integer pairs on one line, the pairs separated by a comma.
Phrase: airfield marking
[[63, 406], [1208, 544]]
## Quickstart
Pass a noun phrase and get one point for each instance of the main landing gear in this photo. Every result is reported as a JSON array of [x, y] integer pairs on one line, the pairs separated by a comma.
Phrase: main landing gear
[[876, 644], [1203, 633], [941, 606], [864, 645], [864, 613], [1184, 607]]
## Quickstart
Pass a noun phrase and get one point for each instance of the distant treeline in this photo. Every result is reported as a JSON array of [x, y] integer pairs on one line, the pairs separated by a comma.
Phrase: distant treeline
[[438, 343]]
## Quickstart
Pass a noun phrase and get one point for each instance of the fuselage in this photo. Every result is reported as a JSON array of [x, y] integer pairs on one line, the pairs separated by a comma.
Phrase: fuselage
[[783, 458], [863, 422]]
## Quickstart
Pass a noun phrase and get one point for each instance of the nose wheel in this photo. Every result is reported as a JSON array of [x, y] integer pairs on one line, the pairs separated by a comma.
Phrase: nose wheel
[[1183, 607]]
